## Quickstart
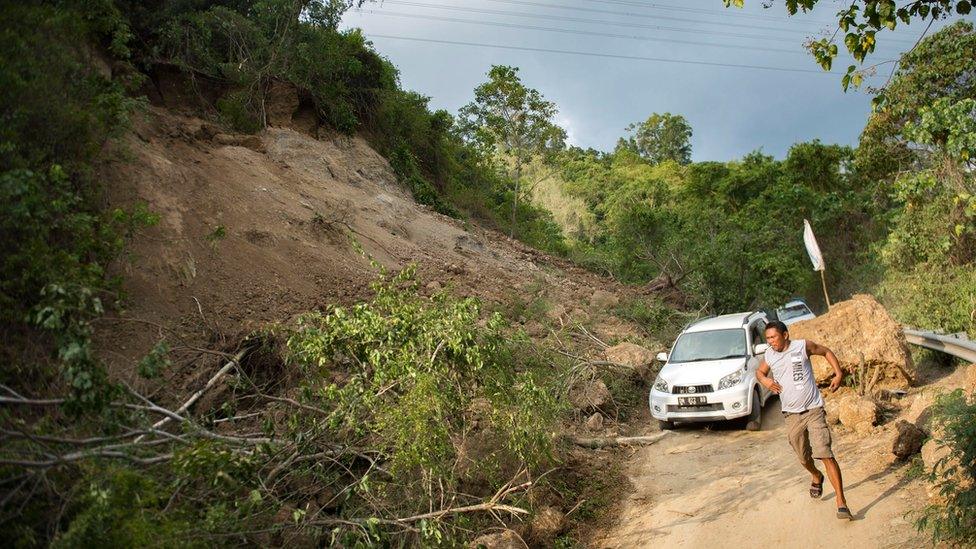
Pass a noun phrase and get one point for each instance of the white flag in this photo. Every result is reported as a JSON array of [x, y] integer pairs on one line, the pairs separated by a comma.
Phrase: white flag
[[812, 248]]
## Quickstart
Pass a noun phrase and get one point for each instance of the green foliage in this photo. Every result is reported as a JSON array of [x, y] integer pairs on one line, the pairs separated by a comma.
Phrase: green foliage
[[932, 296], [510, 123], [658, 320], [861, 21], [405, 167], [949, 126], [122, 508], [916, 84], [929, 251], [727, 234], [660, 138], [418, 364], [915, 469], [58, 109], [155, 361], [954, 419], [510, 119]]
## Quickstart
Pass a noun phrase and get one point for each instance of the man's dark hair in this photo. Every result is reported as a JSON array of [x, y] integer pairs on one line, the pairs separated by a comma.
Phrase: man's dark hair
[[778, 326]]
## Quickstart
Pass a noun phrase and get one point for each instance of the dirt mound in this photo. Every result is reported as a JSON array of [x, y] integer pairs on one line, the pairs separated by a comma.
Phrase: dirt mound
[[860, 330]]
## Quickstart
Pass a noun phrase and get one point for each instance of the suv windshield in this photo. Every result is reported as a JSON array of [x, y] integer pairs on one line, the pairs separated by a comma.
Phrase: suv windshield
[[711, 345], [792, 311]]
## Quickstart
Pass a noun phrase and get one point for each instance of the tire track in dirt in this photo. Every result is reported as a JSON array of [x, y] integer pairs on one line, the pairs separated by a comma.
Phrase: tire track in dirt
[[715, 486]]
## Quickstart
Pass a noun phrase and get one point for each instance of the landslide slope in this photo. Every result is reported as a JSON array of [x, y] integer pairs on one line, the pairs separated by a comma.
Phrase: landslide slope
[[255, 229]]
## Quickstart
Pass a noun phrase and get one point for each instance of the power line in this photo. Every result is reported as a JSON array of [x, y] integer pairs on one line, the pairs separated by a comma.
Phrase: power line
[[590, 21], [716, 13], [642, 15], [606, 55], [582, 32]]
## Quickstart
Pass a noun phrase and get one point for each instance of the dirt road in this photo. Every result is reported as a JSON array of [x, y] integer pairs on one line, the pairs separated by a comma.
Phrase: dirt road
[[715, 486]]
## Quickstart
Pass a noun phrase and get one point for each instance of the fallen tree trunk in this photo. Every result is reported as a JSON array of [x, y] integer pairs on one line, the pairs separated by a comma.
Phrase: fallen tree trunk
[[606, 442]]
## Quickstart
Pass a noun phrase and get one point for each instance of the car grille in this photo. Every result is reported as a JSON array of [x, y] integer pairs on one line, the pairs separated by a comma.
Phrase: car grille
[[698, 408], [687, 390]]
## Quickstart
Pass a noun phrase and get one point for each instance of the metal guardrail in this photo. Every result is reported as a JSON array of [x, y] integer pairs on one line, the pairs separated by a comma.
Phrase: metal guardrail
[[955, 344]]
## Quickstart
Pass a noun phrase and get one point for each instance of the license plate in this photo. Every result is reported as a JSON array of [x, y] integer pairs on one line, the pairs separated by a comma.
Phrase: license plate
[[692, 401]]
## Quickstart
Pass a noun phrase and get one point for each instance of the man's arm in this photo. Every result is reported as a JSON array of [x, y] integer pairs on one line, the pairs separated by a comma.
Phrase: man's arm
[[762, 374], [818, 349]]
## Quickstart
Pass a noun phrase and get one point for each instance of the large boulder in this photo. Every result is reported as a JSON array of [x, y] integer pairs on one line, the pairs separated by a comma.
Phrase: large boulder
[[589, 395], [858, 414], [630, 354], [907, 440], [860, 330]]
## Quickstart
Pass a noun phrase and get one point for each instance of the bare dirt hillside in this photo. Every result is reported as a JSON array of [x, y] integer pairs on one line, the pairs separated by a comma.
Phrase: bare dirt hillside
[[255, 229]]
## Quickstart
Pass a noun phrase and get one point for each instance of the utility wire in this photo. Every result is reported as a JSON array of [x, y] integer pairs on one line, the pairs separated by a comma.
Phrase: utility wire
[[581, 20], [645, 15], [605, 55], [797, 51], [590, 21], [714, 13]]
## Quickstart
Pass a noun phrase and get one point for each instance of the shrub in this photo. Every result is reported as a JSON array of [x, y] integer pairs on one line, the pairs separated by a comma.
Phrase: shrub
[[954, 416], [418, 376]]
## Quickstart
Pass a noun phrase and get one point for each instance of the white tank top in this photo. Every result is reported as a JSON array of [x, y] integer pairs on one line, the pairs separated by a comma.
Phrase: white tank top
[[793, 371]]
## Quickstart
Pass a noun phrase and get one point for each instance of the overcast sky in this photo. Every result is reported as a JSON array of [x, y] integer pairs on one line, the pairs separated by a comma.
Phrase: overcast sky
[[733, 110]]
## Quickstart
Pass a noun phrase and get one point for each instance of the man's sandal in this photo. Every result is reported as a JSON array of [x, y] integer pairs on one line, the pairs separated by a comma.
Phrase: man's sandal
[[816, 489], [844, 513]]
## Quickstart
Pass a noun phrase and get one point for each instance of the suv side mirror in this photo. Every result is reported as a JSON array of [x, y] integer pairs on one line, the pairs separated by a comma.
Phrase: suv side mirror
[[759, 348], [663, 357]]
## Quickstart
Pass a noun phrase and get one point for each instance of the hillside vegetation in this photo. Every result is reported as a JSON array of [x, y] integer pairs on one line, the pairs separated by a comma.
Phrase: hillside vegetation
[[391, 411]]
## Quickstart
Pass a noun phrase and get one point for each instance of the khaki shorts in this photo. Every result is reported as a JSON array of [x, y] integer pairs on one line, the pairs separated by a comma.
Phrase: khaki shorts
[[809, 435]]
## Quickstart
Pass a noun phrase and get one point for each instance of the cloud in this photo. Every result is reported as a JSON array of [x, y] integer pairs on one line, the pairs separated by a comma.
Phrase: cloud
[[565, 122]]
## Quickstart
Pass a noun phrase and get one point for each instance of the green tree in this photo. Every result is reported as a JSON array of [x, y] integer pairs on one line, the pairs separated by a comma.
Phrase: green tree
[[512, 122], [916, 84], [661, 137]]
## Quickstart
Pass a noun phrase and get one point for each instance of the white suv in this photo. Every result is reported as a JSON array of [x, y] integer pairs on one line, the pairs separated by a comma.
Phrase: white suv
[[710, 374]]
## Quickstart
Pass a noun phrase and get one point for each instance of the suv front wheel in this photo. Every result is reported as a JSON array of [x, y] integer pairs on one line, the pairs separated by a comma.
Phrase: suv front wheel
[[754, 420]]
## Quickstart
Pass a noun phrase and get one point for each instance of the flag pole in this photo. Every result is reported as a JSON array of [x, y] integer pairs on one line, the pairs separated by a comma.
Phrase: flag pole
[[816, 257], [823, 280]]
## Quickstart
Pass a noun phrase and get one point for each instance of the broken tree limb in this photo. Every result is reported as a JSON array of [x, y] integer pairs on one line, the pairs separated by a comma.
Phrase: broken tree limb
[[232, 363], [606, 442]]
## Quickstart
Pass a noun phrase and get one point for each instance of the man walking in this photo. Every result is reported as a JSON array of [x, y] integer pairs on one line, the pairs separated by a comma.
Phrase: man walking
[[806, 423]]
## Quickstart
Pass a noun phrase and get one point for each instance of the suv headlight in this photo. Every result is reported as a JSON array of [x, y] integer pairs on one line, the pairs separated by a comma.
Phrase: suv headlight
[[730, 380], [661, 385]]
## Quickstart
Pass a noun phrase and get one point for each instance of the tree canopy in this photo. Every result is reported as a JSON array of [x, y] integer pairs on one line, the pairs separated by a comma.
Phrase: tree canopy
[[661, 137], [511, 122]]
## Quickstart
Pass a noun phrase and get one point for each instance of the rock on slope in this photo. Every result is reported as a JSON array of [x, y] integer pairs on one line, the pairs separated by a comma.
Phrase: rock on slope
[[856, 328]]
